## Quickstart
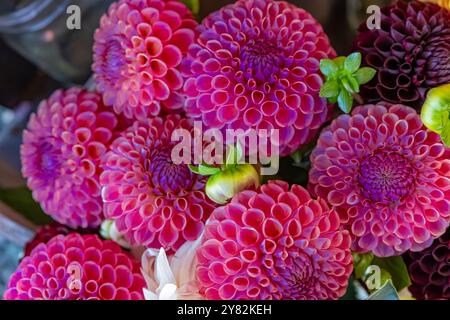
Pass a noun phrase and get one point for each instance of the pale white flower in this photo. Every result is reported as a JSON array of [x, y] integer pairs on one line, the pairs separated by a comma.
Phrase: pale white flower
[[173, 277]]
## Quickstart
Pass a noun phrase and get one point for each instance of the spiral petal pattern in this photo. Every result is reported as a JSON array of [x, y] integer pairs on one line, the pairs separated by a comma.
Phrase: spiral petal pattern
[[137, 53], [61, 153], [76, 267], [275, 243], [153, 201], [387, 176], [256, 65]]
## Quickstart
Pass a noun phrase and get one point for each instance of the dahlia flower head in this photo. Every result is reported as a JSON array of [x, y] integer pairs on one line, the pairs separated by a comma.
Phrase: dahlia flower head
[[429, 270], [61, 153], [154, 202], [76, 267], [274, 244], [255, 65], [387, 176], [138, 49], [411, 52]]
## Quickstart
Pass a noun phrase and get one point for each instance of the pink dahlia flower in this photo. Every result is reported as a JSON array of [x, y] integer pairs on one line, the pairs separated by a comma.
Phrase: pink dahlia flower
[[276, 243], [256, 65], [137, 53], [61, 153], [76, 267], [387, 176], [153, 201]]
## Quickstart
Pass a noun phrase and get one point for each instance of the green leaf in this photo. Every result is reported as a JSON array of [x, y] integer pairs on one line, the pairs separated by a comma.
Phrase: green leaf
[[345, 101], [328, 67], [361, 263], [396, 268], [329, 89], [193, 5], [206, 170], [340, 62], [353, 62], [194, 169], [386, 292], [347, 86], [21, 200], [353, 84], [364, 75]]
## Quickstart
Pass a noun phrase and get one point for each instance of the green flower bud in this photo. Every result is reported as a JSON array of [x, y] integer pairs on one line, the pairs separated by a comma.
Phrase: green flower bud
[[436, 112], [224, 185]]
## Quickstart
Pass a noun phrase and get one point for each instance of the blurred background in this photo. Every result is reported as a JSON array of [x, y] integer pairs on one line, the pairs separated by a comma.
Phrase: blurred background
[[39, 54]]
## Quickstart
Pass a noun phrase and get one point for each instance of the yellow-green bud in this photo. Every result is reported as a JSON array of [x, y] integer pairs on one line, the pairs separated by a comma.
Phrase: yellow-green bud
[[436, 112], [224, 185]]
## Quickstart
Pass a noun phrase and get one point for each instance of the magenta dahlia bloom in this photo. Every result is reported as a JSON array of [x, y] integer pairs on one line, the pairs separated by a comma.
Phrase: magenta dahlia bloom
[[256, 65], [76, 267], [61, 153], [387, 176], [154, 202], [137, 53], [275, 243]]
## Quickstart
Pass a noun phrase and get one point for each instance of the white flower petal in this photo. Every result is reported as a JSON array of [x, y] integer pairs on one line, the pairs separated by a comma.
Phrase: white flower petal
[[148, 295], [184, 261], [163, 272], [168, 292]]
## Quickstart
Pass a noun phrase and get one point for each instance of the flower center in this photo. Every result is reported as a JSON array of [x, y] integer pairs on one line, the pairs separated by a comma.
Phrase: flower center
[[113, 61], [261, 61], [164, 175], [48, 160], [386, 177], [295, 276]]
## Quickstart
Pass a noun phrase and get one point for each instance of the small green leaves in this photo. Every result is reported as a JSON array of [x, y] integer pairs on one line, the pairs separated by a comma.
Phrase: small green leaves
[[364, 75], [345, 101], [204, 170], [353, 62], [343, 79], [361, 263], [396, 267], [328, 67], [330, 89]]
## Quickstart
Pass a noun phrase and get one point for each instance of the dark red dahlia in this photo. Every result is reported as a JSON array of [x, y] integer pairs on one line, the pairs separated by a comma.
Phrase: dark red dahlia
[[137, 54], [61, 154], [429, 270], [411, 52], [44, 234], [256, 65], [275, 243], [76, 267], [154, 202], [387, 176]]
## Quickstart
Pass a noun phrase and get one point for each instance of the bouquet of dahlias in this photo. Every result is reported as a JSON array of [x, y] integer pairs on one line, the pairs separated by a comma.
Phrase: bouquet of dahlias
[[175, 178]]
